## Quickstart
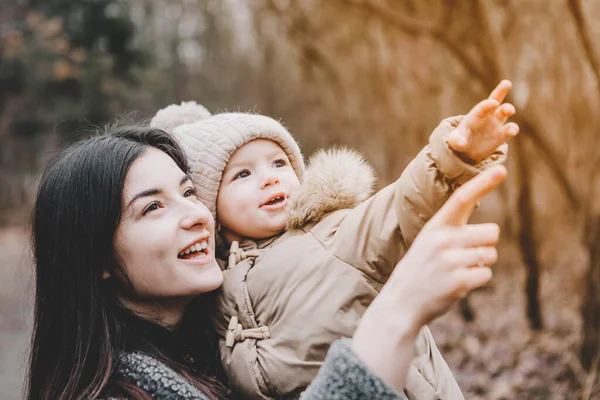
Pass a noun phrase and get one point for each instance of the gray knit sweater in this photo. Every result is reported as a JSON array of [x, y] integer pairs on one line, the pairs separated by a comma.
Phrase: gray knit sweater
[[342, 377]]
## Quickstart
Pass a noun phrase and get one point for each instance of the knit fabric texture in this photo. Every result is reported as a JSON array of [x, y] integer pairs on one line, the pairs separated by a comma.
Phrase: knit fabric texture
[[157, 379], [343, 376]]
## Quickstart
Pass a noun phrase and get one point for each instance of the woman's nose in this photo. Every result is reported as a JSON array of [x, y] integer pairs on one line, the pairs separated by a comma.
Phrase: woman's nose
[[195, 215]]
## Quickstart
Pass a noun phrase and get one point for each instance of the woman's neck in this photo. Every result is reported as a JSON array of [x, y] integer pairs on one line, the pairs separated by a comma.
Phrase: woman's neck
[[167, 313]]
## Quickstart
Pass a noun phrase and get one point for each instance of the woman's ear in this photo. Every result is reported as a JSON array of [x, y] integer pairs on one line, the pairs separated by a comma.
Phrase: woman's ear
[[105, 275]]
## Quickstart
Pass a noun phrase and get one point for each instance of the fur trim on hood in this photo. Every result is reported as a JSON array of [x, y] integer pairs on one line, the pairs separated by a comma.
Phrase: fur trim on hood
[[335, 179]]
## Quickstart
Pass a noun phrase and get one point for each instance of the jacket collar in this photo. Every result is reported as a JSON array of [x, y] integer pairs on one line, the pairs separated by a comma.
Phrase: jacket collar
[[336, 179]]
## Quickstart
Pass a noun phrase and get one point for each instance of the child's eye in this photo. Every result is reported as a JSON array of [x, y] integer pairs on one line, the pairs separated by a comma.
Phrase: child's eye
[[242, 174], [190, 192], [151, 207], [279, 163]]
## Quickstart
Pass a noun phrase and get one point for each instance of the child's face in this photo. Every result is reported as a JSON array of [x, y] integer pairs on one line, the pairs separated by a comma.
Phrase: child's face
[[254, 191]]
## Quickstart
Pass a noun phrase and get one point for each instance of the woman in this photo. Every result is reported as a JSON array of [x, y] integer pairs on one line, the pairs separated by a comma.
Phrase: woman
[[125, 260]]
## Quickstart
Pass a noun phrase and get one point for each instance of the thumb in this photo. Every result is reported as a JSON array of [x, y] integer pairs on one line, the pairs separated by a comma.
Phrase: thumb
[[457, 140], [461, 204]]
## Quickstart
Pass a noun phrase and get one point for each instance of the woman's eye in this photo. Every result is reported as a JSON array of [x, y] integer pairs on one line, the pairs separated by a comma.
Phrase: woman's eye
[[242, 174], [279, 163], [190, 192], [150, 208]]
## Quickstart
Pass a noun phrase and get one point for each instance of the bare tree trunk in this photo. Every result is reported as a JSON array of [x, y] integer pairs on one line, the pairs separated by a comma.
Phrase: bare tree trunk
[[591, 303], [526, 239], [590, 310], [466, 311]]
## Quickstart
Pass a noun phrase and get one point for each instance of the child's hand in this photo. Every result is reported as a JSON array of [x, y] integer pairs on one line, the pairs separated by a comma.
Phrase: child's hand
[[484, 128]]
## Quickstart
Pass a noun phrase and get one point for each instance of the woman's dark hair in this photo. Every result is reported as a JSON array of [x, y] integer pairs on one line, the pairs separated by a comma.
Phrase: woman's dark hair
[[80, 326]]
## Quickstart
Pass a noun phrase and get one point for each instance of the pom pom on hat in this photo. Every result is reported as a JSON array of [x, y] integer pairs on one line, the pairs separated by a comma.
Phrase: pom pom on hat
[[176, 115]]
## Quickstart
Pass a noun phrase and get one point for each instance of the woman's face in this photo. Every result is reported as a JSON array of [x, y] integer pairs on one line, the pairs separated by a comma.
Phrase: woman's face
[[165, 239]]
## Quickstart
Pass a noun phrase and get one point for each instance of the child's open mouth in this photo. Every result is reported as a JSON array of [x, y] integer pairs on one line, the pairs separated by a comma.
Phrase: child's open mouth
[[276, 201], [196, 251]]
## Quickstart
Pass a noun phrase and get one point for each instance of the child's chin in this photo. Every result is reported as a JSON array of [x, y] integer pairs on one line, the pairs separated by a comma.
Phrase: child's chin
[[277, 221], [276, 227]]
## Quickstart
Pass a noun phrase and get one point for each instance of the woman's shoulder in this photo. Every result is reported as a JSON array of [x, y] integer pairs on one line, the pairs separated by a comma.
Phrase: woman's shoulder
[[344, 376], [155, 378]]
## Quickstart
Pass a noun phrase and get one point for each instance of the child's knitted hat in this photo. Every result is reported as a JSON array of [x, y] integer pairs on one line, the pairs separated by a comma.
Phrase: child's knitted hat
[[209, 141]]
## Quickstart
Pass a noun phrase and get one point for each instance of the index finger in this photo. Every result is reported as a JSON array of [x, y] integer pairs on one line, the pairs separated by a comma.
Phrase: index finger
[[461, 204], [500, 91]]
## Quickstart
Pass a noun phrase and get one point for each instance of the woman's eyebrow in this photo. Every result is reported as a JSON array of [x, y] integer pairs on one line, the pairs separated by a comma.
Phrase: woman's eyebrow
[[154, 192], [145, 193]]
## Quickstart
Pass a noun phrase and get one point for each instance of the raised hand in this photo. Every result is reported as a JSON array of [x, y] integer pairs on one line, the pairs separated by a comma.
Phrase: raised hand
[[450, 258], [447, 260], [484, 128]]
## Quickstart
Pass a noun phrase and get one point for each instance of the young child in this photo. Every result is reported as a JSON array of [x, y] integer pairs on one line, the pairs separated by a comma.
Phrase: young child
[[311, 249]]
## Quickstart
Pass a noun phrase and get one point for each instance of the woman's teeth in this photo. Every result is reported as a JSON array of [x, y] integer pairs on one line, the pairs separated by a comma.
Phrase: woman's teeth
[[197, 250]]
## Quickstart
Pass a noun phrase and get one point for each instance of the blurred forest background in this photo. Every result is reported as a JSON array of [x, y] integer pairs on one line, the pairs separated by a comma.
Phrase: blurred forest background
[[375, 75]]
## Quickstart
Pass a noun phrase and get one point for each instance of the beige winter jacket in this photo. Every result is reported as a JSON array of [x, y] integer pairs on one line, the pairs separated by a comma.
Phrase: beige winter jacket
[[285, 300]]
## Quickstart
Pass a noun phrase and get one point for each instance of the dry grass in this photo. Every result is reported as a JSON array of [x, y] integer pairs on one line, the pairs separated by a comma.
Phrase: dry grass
[[498, 357]]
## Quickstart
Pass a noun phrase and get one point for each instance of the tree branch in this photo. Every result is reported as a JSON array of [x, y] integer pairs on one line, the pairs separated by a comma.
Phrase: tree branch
[[551, 158], [489, 45], [408, 24], [487, 81], [576, 10], [577, 14], [435, 30]]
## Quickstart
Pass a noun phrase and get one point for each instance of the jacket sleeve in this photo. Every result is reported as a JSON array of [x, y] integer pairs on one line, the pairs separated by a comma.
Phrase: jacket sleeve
[[343, 376], [375, 235], [429, 376]]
